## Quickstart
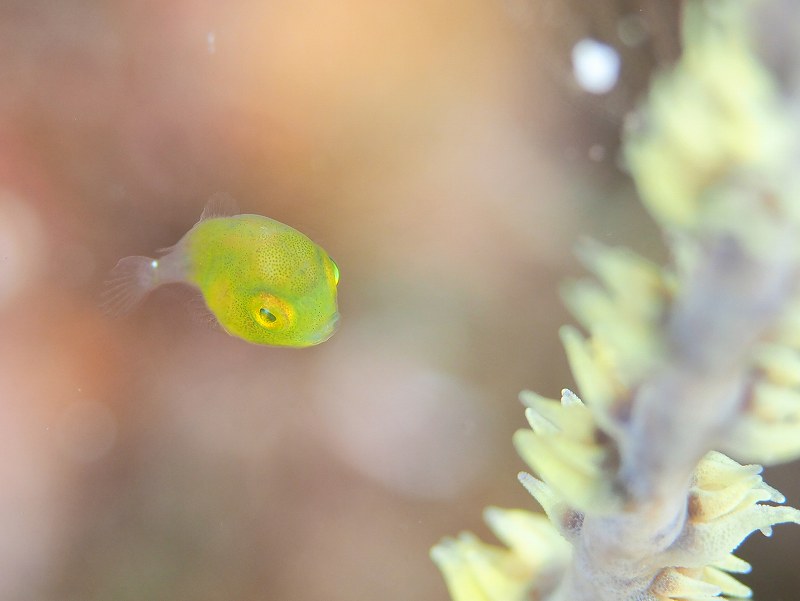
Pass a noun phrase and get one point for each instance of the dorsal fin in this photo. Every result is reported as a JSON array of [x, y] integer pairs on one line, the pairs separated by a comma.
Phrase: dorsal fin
[[220, 204]]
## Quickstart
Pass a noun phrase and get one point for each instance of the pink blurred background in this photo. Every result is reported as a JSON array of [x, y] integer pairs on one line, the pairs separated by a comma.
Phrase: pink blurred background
[[440, 151]]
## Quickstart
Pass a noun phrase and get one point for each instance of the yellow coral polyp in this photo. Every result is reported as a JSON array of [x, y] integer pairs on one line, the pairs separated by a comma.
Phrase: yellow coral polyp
[[713, 116], [475, 571], [563, 446]]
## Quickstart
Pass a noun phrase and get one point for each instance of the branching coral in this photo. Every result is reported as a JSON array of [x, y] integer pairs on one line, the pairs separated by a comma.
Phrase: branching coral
[[676, 361]]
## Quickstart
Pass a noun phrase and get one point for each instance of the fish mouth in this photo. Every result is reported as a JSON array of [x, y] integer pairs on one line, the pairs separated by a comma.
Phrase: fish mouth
[[327, 330]]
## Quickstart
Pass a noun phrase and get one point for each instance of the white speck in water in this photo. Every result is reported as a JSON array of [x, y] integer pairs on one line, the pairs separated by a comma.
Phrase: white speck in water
[[597, 152], [154, 263], [211, 40], [596, 66]]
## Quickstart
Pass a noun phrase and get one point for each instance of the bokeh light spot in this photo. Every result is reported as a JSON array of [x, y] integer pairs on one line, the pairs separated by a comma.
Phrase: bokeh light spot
[[595, 65]]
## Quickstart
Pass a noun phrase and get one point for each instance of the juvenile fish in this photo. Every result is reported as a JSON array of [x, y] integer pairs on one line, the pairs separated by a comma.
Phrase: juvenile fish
[[264, 281]]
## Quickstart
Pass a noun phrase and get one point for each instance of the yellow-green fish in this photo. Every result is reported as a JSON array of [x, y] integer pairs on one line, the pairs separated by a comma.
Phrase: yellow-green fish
[[264, 281]]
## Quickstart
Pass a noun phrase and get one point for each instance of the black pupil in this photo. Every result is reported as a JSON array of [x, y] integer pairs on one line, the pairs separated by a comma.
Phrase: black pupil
[[266, 314]]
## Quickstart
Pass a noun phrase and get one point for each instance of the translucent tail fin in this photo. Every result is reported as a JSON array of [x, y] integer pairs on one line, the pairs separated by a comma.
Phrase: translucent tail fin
[[128, 283]]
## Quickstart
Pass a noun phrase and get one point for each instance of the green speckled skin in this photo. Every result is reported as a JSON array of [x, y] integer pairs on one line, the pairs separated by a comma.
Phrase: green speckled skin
[[264, 281]]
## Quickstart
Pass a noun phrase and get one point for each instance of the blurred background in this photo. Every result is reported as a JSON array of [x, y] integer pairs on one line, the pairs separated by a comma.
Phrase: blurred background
[[442, 152]]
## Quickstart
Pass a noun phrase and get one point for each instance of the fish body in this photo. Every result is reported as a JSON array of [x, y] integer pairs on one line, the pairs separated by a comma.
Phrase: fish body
[[264, 281]]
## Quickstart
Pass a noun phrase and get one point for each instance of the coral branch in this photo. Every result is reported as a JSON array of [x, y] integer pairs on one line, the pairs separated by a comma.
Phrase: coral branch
[[728, 304], [676, 361]]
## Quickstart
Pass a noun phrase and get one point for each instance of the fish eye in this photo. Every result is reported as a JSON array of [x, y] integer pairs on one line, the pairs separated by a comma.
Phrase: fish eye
[[271, 312], [269, 317], [335, 271]]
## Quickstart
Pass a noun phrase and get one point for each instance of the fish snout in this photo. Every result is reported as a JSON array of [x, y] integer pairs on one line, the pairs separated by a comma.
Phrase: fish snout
[[327, 330]]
